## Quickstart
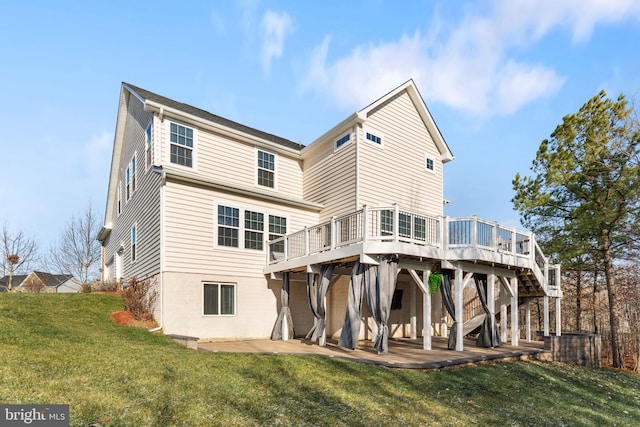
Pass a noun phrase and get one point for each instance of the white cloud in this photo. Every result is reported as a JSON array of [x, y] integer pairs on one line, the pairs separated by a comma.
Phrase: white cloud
[[273, 28], [466, 65]]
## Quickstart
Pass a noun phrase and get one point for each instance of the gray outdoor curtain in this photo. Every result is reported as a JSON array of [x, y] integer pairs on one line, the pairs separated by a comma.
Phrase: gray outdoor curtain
[[380, 283], [447, 299], [351, 327], [317, 288], [489, 336], [285, 311]]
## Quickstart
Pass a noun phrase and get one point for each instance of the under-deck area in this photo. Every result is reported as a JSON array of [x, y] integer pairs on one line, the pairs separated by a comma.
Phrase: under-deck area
[[509, 263]]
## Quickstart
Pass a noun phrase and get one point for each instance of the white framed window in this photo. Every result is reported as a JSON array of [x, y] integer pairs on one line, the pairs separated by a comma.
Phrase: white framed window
[[127, 183], [266, 169], [181, 141], [119, 197], [148, 146], [277, 228], [374, 137], [133, 173], [219, 299], [228, 226], [342, 141], [253, 230], [134, 242], [246, 228], [429, 165]]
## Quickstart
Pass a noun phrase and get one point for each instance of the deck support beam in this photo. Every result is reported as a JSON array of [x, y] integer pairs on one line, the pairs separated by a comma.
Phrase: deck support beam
[[459, 304], [528, 320], [515, 313], [426, 305], [413, 322], [558, 318], [546, 315]]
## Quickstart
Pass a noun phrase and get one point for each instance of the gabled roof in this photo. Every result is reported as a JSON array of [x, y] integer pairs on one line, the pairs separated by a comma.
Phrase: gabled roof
[[54, 280], [411, 89], [146, 95]]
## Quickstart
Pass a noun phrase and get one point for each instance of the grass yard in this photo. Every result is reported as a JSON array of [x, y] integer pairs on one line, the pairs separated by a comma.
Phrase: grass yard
[[65, 349]]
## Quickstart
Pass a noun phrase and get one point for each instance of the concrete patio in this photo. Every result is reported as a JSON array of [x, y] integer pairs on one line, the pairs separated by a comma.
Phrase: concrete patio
[[403, 353]]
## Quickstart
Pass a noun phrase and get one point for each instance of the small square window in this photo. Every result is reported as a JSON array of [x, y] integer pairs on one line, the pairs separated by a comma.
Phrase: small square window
[[429, 164]]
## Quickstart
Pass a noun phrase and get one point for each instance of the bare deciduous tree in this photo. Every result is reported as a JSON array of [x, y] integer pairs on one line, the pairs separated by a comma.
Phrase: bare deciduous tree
[[17, 253], [77, 251]]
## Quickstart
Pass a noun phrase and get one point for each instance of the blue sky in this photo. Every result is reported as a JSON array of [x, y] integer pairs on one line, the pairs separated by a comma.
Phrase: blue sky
[[497, 76]]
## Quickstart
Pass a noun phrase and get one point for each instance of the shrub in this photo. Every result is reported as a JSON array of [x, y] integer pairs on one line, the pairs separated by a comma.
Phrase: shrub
[[139, 298]]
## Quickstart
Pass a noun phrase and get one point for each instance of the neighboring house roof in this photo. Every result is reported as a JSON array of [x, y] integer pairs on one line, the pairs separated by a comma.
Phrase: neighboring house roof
[[197, 112], [16, 280], [53, 280], [50, 280]]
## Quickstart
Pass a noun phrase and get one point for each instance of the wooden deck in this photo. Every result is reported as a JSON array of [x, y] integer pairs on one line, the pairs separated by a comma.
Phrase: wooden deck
[[370, 232], [403, 353]]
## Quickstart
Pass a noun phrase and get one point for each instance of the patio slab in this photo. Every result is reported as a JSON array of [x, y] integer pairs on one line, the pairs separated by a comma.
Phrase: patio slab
[[403, 353]]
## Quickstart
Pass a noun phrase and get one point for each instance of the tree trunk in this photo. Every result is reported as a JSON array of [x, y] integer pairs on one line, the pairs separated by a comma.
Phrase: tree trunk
[[579, 300], [614, 320], [595, 299]]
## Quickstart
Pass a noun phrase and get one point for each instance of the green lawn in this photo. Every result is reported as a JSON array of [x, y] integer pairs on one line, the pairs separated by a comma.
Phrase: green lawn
[[65, 349]]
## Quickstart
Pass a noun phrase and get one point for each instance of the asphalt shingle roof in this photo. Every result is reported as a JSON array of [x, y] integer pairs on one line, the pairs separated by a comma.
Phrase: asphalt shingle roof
[[197, 112]]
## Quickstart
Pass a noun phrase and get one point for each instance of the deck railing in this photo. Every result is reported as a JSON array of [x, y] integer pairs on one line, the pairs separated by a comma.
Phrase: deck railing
[[389, 224], [394, 224]]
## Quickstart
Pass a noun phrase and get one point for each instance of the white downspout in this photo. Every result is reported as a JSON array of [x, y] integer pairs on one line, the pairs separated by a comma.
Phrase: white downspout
[[162, 249]]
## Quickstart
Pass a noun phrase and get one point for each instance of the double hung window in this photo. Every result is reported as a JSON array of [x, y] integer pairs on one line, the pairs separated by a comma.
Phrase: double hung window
[[181, 139], [266, 169]]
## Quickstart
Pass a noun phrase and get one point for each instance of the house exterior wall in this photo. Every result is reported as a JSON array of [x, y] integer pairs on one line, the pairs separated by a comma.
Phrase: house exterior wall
[[191, 230], [394, 171], [256, 307], [231, 160], [68, 287], [330, 175], [142, 209]]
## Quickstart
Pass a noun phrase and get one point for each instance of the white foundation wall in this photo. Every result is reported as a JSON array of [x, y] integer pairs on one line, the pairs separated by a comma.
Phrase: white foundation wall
[[183, 307]]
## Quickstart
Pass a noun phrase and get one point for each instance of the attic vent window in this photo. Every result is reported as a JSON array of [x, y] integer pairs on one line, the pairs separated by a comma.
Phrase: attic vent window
[[374, 138], [343, 140], [181, 145], [429, 164]]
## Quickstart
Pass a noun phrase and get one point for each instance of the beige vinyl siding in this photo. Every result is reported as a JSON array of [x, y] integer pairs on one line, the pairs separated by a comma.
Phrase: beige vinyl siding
[[191, 231], [395, 171], [142, 208], [224, 159], [330, 178]]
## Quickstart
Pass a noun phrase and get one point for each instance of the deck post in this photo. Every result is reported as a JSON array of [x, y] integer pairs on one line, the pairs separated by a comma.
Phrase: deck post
[[426, 312], [558, 318], [413, 324], [546, 315], [365, 223], [306, 241], [515, 313], [474, 231], [444, 235], [528, 320], [491, 295], [459, 303], [504, 321], [396, 222], [334, 233]]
